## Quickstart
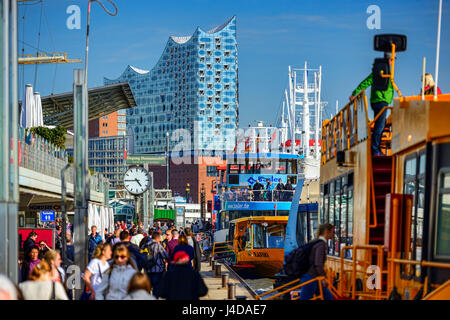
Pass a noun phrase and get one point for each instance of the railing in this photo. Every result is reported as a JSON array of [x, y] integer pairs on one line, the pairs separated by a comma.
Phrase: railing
[[39, 155], [346, 129], [295, 285], [222, 248], [342, 289], [258, 195]]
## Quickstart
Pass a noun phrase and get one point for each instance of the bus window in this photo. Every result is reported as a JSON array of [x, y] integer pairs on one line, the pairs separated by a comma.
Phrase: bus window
[[443, 217], [269, 236]]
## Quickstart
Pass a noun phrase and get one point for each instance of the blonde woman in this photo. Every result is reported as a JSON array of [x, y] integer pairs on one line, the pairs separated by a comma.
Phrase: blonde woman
[[40, 286], [53, 258], [114, 283], [429, 85], [96, 269]]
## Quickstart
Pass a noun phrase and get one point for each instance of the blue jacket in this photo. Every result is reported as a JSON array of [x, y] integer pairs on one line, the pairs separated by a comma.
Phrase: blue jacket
[[94, 241]]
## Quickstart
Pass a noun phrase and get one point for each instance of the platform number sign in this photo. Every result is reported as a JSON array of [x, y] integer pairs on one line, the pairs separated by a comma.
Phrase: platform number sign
[[47, 216]]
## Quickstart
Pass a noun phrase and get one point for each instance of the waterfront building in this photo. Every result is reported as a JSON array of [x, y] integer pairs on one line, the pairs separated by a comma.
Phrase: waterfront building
[[193, 86]]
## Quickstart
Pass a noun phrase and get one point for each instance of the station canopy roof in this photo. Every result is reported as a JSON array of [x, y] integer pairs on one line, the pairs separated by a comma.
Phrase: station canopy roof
[[58, 109]]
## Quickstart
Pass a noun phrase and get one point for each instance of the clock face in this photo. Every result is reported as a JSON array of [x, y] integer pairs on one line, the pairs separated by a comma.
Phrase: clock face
[[136, 180]]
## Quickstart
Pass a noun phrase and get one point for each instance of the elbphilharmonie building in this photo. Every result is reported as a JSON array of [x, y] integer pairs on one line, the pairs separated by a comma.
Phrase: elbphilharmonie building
[[193, 86]]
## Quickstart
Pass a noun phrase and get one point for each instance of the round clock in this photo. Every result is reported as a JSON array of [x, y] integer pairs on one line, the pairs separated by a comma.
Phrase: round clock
[[136, 180]]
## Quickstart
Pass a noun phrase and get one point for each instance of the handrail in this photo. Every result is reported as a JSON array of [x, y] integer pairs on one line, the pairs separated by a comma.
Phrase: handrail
[[224, 247], [278, 288], [355, 249], [319, 279], [422, 263]]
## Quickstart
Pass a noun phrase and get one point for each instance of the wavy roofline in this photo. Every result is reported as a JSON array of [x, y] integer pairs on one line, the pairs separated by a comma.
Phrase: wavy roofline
[[177, 40], [184, 39]]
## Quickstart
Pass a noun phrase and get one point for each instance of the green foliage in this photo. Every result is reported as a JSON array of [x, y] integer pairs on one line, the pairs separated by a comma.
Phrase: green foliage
[[70, 159], [57, 135]]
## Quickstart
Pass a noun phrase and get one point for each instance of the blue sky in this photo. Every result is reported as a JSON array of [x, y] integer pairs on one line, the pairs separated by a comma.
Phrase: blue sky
[[272, 34]]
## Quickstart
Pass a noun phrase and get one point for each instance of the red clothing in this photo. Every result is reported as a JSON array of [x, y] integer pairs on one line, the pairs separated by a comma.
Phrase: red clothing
[[171, 246], [429, 90]]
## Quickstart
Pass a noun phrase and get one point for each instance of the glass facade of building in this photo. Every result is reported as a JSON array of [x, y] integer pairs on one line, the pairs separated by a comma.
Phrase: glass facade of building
[[106, 155], [193, 86]]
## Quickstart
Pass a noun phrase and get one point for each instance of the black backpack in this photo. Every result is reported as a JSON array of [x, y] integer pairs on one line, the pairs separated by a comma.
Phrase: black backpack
[[297, 261], [150, 256]]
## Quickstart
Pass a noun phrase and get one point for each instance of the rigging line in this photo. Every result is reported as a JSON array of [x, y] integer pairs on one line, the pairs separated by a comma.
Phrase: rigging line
[[39, 41], [23, 52], [31, 46]]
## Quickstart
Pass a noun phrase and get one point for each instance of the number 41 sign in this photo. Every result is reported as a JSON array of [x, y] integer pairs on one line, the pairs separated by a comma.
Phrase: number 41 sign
[[47, 216]]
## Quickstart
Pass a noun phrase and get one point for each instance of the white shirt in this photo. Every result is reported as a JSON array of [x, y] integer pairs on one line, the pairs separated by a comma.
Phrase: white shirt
[[136, 240], [96, 266], [42, 290], [115, 285]]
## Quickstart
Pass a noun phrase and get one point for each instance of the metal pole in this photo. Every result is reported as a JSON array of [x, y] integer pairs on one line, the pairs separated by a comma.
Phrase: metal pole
[[151, 200], [167, 162], [81, 173], [64, 211], [4, 136], [423, 78], [436, 71]]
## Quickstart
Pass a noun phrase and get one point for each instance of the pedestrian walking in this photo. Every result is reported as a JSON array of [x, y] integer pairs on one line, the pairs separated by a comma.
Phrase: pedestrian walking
[[172, 243], [182, 282], [115, 282], [317, 260], [95, 270], [135, 254], [8, 290], [183, 245], [40, 286], [53, 258], [43, 248], [157, 259], [167, 238], [30, 261], [94, 240], [29, 243], [136, 239], [139, 288], [197, 249]]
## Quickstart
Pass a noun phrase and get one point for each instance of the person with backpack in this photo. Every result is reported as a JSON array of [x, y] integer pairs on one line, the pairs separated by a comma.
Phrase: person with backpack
[[95, 270], [317, 257], [94, 240], [135, 254], [157, 259], [115, 282]]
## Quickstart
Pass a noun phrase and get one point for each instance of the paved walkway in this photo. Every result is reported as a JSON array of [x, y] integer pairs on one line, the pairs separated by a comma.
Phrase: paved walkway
[[215, 290]]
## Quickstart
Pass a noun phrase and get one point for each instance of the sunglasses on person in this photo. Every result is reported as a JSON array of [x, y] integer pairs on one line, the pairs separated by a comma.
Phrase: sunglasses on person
[[121, 257]]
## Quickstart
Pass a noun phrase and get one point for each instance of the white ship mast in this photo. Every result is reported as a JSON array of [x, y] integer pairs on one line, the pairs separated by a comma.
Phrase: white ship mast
[[303, 110], [302, 113]]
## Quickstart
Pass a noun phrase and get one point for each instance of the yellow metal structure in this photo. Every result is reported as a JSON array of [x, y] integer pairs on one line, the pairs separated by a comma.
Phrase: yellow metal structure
[[52, 57], [416, 125]]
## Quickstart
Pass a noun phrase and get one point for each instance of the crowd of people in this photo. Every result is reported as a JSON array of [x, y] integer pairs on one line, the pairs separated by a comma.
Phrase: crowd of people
[[262, 192], [129, 264]]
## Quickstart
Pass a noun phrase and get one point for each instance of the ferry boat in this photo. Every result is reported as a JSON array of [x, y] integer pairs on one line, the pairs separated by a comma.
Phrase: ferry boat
[[391, 212], [245, 210]]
